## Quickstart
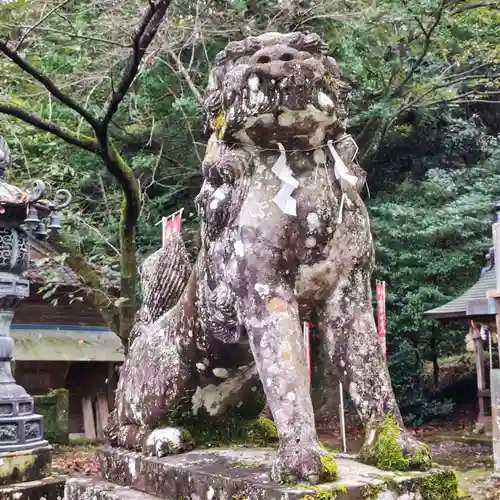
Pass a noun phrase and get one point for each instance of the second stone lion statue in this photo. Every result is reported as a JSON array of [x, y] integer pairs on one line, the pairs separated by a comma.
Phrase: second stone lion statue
[[285, 236]]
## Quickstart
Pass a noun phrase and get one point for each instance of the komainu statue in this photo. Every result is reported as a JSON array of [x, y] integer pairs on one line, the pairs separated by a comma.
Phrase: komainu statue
[[285, 236]]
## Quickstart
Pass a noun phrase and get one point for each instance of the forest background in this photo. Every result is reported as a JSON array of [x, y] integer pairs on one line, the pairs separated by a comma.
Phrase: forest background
[[424, 109]]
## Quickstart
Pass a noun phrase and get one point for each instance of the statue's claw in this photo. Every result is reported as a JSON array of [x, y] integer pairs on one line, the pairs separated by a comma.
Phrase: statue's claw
[[168, 441], [301, 463]]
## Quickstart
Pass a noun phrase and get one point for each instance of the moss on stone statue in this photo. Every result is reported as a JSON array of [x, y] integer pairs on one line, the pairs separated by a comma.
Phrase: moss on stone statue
[[371, 491], [385, 451], [54, 408], [323, 494], [245, 464], [439, 485], [442, 485], [233, 431], [329, 469], [225, 430]]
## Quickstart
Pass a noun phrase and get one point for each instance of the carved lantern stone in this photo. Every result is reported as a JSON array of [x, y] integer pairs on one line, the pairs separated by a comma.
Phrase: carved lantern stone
[[21, 216]]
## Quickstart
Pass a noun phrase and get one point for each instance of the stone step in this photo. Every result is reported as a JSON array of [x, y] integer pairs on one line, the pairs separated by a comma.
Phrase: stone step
[[85, 488], [243, 474]]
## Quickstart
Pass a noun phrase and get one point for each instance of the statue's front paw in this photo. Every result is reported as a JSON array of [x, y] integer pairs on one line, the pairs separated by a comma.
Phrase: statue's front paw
[[168, 441], [388, 447], [303, 464]]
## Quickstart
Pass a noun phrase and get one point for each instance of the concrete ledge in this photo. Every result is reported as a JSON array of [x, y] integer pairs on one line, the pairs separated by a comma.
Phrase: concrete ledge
[[242, 474], [28, 465], [94, 489], [50, 488]]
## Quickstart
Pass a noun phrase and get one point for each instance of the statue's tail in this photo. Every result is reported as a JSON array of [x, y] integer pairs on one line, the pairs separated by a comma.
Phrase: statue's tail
[[164, 276]]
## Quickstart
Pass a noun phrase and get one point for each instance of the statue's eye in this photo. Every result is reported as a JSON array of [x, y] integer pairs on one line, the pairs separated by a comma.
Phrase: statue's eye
[[286, 57], [263, 59]]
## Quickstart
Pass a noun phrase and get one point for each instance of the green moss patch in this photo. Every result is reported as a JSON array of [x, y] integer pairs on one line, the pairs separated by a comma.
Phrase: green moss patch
[[371, 491], [386, 453], [329, 470], [440, 486], [245, 464], [231, 430], [54, 408], [323, 494]]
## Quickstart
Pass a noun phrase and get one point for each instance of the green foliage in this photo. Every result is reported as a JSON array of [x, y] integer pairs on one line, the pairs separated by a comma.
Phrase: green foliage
[[431, 235]]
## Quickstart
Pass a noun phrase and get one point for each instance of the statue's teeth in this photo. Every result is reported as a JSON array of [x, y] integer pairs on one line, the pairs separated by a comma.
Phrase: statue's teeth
[[324, 101], [253, 83]]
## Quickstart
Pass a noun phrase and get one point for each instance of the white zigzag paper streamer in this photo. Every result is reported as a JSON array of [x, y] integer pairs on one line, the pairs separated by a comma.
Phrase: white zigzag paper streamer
[[343, 176], [284, 199]]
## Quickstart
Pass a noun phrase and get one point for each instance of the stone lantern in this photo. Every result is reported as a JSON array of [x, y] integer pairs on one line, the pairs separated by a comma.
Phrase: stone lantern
[[24, 214]]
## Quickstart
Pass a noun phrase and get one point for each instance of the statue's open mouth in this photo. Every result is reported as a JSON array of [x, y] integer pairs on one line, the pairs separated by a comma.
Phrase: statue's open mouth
[[260, 85], [268, 87]]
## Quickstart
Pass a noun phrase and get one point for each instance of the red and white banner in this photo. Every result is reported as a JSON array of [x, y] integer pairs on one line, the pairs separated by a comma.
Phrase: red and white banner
[[381, 320], [307, 347], [171, 224]]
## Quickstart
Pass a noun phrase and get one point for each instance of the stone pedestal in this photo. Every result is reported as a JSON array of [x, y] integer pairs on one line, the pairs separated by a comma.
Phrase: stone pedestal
[[20, 427], [27, 465], [50, 488], [27, 475], [242, 474]]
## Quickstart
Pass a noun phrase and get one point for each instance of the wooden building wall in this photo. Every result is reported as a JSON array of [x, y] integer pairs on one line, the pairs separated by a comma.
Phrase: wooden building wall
[[83, 379], [36, 310]]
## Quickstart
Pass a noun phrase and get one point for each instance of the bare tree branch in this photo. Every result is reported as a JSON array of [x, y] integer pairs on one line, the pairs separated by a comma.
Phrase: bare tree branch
[[44, 18], [183, 71], [488, 5], [427, 44], [87, 143], [144, 35], [47, 83], [61, 32]]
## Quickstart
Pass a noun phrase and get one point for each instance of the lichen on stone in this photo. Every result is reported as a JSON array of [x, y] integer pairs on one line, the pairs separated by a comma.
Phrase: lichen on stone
[[386, 451]]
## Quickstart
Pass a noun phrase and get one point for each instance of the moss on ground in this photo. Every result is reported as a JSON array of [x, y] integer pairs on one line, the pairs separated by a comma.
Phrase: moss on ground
[[386, 453]]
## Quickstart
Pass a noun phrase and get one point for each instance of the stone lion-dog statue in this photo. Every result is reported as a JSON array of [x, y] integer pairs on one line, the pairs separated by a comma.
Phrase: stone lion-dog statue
[[285, 237]]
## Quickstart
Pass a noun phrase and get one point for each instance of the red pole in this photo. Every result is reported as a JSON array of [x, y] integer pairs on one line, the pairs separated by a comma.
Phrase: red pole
[[381, 319]]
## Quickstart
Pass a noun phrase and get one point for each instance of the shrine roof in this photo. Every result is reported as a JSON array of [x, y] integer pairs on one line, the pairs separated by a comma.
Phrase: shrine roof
[[66, 343], [473, 303], [38, 273]]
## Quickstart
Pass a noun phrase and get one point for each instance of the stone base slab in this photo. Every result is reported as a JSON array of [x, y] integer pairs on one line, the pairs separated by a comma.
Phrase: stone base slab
[[243, 474], [26, 465], [50, 488], [85, 488]]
